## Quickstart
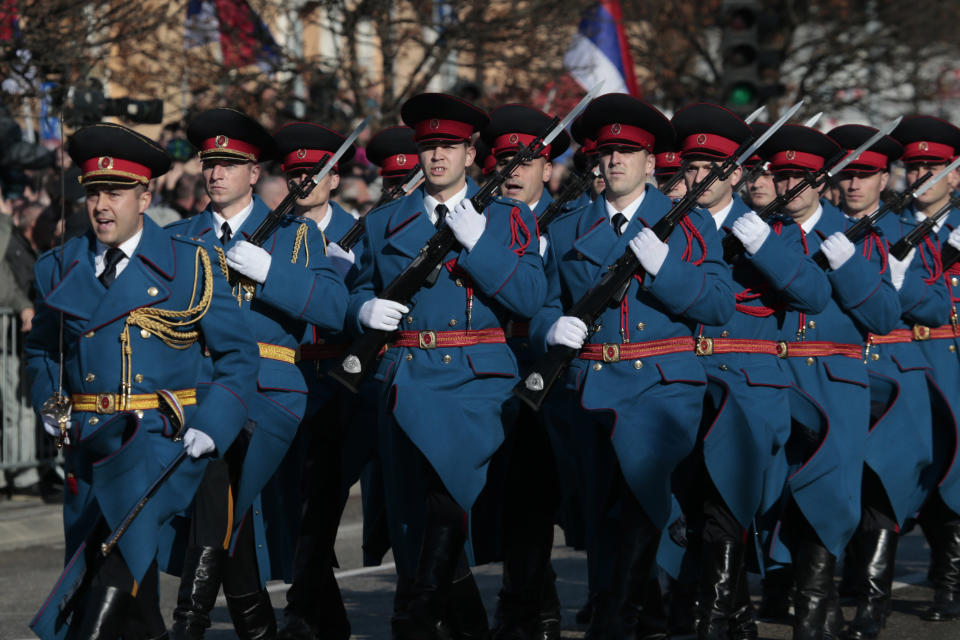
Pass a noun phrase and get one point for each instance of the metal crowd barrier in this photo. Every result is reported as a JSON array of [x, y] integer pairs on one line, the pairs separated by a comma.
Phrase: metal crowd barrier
[[23, 443]]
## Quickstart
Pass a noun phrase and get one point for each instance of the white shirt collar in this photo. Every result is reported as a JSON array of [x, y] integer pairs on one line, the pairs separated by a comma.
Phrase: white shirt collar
[[720, 216], [235, 222], [430, 203], [325, 222], [128, 246], [920, 217], [628, 211], [812, 221], [534, 205]]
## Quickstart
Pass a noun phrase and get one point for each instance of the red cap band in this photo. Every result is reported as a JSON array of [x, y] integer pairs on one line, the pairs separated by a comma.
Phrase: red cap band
[[790, 159], [304, 158], [926, 150], [489, 164], [228, 146], [510, 142], [589, 146], [438, 129], [668, 160], [116, 168], [871, 159], [399, 163], [708, 144], [618, 134]]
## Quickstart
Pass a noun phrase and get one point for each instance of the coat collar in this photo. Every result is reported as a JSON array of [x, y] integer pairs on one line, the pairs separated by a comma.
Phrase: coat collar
[[409, 227], [596, 240]]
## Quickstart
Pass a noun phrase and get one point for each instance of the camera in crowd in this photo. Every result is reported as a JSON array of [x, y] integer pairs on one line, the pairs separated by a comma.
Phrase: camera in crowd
[[89, 104]]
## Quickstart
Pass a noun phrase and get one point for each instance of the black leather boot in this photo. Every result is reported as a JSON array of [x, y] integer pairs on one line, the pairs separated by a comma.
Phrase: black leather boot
[[585, 613], [682, 607], [199, 586], [833, 626], [853, 577], [652, 622], [813, 567], [718, 586], [944, 573], [549, 618], [777, 591], [297, 627], [879, 549], [465, 612], [422, 616], [252, 616], [743, 622], [103, 616]]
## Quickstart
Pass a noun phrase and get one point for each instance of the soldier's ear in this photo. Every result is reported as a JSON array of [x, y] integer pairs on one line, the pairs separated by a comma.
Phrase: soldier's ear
[[884, 179], [471, 154], [254, 173], [144, 199]]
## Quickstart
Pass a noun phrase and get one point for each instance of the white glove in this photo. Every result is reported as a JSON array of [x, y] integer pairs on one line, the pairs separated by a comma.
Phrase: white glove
[[898, 268], [197, 443], [250, 260], [751, 231], [650, 250], [467, 225], [52, 426], [837, 249], [340, 260], [543, 246], [954, 239], [381, 314], [567, 331]]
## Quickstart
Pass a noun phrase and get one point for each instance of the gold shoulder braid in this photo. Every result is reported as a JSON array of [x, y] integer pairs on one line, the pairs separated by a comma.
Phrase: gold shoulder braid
[[244, 288], [302, 238], [175, 328]]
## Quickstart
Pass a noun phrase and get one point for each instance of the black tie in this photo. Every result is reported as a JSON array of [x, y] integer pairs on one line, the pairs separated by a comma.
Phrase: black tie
[[441, 212], [618, 221], [113, 258], [225, 233]]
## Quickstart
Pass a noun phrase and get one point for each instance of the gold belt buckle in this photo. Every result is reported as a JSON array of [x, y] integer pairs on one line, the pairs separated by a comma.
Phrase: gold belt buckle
[[704, 346], [106, 403], [782, 349], [921, 332], [428, 339], [611, 352]]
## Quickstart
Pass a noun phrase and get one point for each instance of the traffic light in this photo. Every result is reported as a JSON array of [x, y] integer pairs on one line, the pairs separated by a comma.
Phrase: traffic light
[[740, 85]]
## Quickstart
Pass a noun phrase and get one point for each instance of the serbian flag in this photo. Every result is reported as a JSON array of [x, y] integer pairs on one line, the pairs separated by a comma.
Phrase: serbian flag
[[599, 51], [243, 37]]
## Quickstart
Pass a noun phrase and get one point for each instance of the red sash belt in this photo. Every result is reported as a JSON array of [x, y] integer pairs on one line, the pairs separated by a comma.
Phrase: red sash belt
[[716, 346], [947, 331], [815, 348], [441, 339], [614, 352]]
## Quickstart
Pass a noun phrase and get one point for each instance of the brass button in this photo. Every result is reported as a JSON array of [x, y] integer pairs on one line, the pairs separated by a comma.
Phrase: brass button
[[597, 366], [952, 347], [446, 359], [409, 357], [453, 322], [152, 291], [256, 513], [724, 334], [409, 319], [810, 361], [139, 413], [874, 356], [88, 334], [641, 326], [638, 364], [247, 296], [138, 377], [144, 333], [90, 377], [812, 324], [723, 367], [94, 420], [954, 281], [459, 282]]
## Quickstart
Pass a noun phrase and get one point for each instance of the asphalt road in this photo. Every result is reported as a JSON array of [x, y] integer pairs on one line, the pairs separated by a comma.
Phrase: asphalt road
[[31, 556]]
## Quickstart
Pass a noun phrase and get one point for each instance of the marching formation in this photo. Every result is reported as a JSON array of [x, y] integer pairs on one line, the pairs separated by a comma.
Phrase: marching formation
[[751, 367]]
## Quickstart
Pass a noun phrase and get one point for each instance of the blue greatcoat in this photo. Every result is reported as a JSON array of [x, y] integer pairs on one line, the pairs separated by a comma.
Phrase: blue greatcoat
[[750, 391], [115, 456], [826, 484], [901, 441], [301, 288], [650, 408], [446, 402]]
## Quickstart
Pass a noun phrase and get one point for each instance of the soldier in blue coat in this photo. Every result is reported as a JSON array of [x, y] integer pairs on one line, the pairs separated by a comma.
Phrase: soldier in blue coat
[[637, 378], [528, 605], [449, 373], [898, 468], [138, 308], [280, 287], [929, 145], [668, 163], [820, 504], [747, 407]]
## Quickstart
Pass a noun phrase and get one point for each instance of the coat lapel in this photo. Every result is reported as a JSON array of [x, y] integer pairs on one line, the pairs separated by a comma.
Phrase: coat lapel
[[409, 226], [79, 292]]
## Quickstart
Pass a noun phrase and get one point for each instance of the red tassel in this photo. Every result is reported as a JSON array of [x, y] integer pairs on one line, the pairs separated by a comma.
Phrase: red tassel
[[72, 484]]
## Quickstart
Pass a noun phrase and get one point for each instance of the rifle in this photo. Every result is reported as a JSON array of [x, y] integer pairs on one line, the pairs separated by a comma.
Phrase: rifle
[[302, 190], [576, 185], [897, 203], [672, 182], [616, 279], [354, 233], [363, 352], [916, 235], [732, 247]]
